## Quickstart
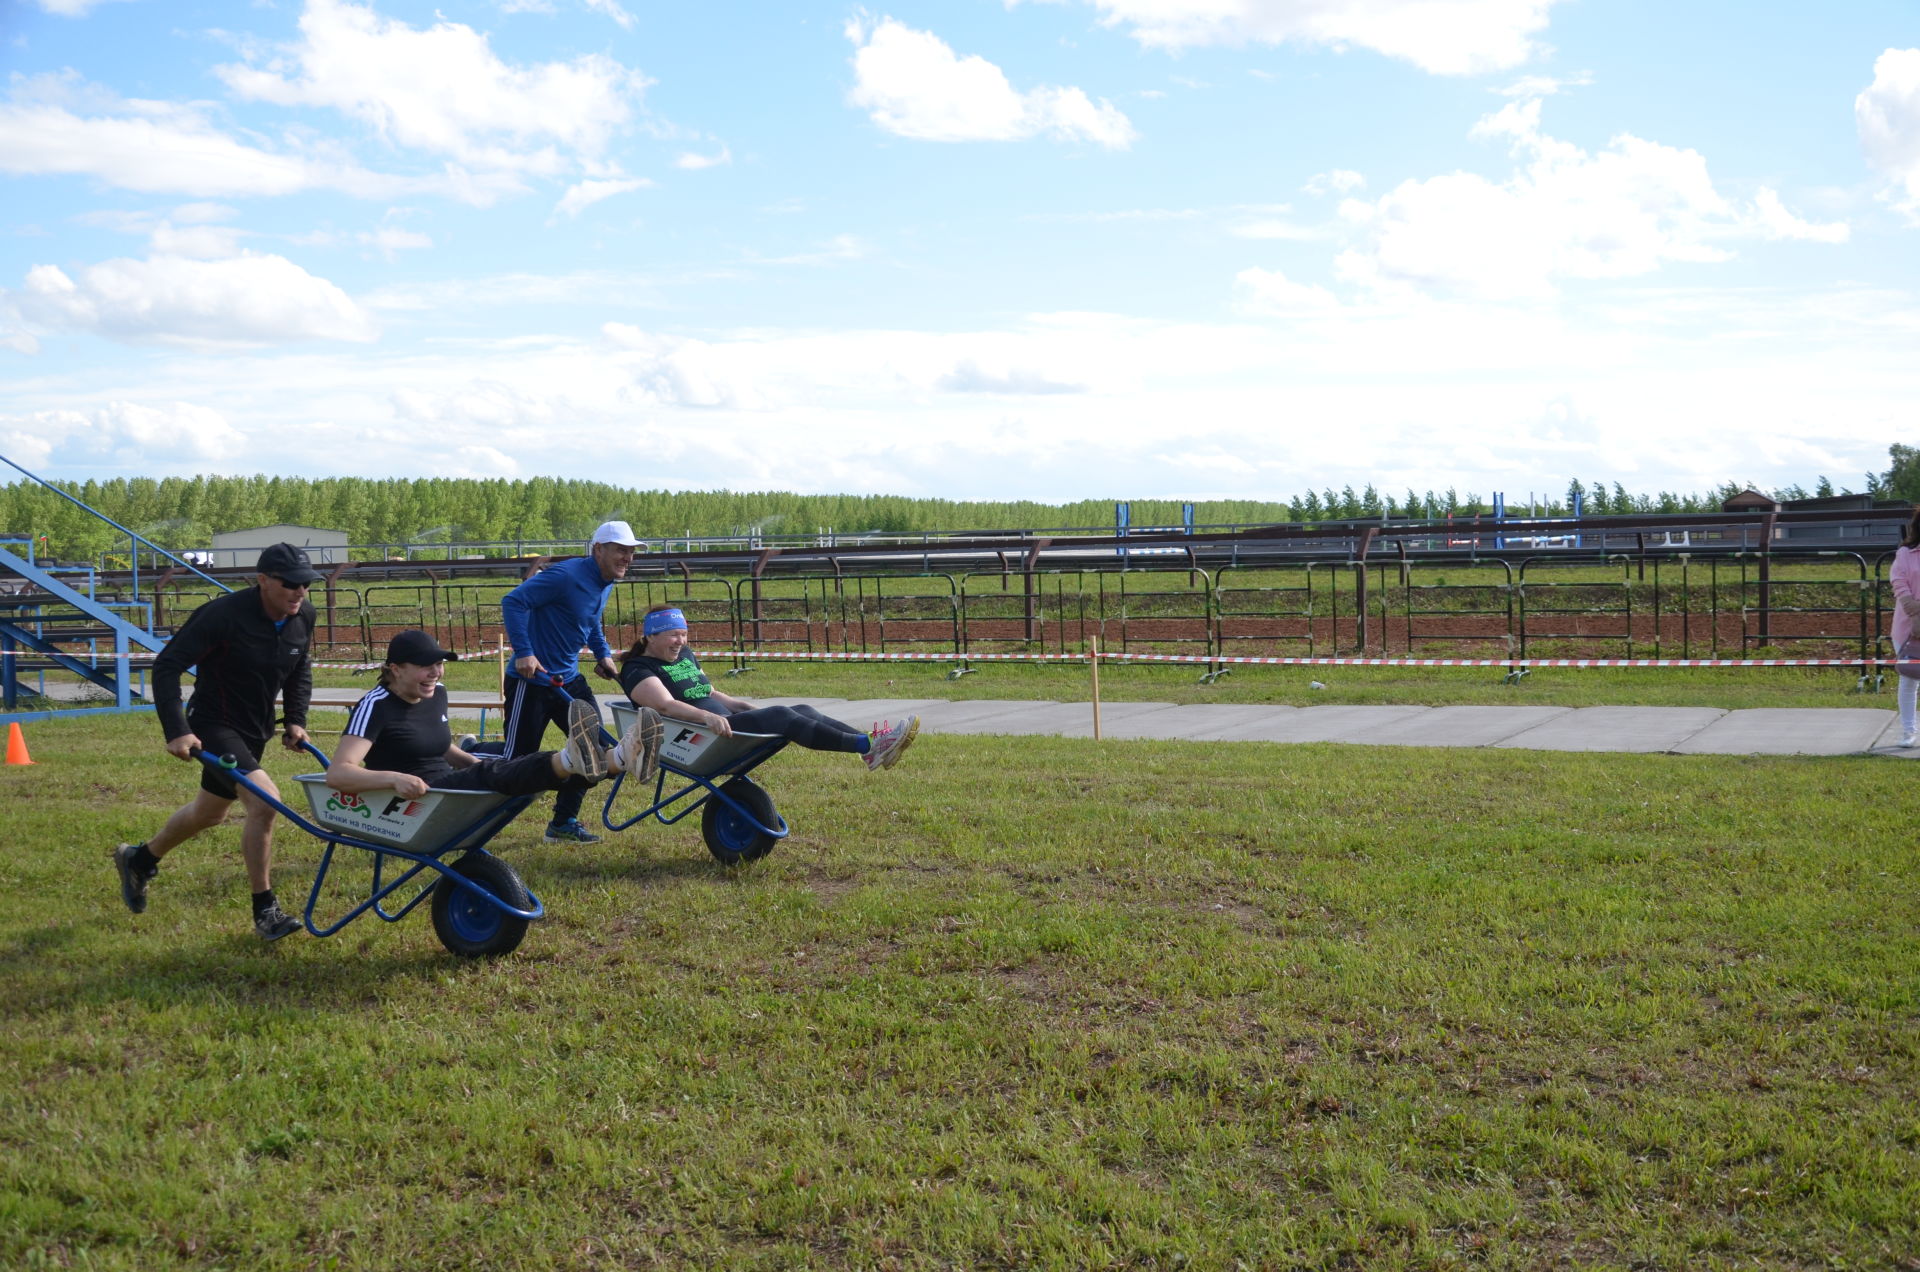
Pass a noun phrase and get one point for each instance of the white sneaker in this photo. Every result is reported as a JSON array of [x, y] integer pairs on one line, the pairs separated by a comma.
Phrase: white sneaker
[[1906, 741], [889, 740], [638, 753], [583, 756]]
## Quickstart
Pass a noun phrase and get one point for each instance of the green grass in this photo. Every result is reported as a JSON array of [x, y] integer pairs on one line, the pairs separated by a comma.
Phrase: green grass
[[1016, 1003]]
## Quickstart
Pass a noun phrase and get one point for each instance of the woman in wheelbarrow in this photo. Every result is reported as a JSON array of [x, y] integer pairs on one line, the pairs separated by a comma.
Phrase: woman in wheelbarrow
[[661, 673], [398, 739]]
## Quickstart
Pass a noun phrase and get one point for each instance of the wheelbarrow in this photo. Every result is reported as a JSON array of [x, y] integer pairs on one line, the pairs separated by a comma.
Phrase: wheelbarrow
[[480, 907], [737, 816]]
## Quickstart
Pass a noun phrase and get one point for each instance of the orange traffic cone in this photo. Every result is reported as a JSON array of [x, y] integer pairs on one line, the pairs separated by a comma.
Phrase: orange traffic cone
[[16, 745]]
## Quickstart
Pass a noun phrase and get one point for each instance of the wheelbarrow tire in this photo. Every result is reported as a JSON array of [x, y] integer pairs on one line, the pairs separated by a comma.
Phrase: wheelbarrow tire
[[731, 837], [472, 926]]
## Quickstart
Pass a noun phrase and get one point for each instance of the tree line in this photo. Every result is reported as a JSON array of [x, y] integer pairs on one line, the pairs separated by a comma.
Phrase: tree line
[[183, 513]]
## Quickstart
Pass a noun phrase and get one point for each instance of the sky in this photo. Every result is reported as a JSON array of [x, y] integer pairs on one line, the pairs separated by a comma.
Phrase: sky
[[969, 249]]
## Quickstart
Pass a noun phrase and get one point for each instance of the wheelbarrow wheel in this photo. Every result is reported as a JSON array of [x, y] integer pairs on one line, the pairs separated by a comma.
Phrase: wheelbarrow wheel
[[731, 836], [470, 925]]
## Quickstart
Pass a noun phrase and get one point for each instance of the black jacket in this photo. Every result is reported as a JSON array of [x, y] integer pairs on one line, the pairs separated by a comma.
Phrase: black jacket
[[240, 662]]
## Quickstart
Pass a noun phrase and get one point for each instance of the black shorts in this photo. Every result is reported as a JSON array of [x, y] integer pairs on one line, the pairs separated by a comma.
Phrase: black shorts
[[218, 740]]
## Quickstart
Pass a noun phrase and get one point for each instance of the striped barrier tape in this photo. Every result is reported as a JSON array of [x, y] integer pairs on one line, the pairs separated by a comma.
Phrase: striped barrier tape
[[1242, 659], [1210, 659]]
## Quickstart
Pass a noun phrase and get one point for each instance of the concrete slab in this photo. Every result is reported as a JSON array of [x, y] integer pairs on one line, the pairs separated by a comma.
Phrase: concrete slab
[[1202, 721], [1318, 724], [1789, 731], [1120, 720], [1033, 719], [864, 713], [1461, 726], [1644, 729], [1888, 743], [971, 717]]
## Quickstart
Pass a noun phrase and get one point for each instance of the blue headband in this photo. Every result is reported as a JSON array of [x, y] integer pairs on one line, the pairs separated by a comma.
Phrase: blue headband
[[665, 620]]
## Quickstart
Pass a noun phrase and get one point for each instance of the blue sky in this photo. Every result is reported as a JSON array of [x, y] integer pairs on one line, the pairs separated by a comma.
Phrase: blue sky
[[1043, 249]]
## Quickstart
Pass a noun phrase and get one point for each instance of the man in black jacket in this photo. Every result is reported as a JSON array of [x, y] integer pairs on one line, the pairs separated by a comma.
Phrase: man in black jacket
[[245, 648]]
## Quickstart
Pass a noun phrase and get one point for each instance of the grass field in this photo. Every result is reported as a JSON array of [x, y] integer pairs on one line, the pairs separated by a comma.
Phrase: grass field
[[1033, 1003]]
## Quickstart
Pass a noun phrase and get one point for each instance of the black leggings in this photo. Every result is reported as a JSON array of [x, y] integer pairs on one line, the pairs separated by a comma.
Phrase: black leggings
[[804, 725], [522, 775]]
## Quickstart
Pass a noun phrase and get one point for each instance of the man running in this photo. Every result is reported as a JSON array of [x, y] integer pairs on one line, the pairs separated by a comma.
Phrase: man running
[[245, 649], [547, 619]]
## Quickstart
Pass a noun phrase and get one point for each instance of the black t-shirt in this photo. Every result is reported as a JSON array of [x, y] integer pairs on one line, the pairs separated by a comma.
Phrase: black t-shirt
[[682, 677], [407, 737]]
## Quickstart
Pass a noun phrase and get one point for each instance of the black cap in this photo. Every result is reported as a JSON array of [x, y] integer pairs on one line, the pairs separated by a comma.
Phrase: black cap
[[419, 649], [284, 561]]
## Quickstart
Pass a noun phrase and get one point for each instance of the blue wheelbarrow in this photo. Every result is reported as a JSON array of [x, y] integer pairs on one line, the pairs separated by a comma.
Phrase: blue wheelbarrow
[[737, 816], [480, 906]]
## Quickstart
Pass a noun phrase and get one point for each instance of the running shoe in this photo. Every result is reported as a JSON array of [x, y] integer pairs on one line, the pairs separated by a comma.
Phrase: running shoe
[[571, 831], [584, 756], [273, 923], [638, 754], [133, 884], [889, 740]]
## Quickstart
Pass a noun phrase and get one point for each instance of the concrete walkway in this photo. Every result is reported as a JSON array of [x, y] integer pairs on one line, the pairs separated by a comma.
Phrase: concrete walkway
[[1676, 730]]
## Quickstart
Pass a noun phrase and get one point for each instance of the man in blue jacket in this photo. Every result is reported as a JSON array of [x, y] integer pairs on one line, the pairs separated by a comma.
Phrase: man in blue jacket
[[548, 618]]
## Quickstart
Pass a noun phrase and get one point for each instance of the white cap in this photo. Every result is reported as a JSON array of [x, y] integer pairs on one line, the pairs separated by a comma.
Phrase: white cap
[[615, 532]]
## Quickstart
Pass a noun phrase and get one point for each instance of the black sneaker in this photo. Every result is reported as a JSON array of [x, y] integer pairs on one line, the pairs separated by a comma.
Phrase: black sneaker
[[571, 831], [133, 884], [273, 923]]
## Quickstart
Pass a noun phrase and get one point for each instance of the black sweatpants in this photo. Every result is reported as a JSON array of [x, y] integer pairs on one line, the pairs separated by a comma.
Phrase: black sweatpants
[[531, 707]]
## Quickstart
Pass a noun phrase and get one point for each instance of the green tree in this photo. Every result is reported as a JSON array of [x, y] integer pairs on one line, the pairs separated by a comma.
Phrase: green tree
[[1902, 478]]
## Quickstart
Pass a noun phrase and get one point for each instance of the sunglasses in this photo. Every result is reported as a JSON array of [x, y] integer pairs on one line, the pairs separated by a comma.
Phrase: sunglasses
[[291, 586]]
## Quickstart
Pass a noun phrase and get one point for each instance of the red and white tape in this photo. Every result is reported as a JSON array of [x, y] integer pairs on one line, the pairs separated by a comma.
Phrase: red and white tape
[[798, 656], [764, 655]]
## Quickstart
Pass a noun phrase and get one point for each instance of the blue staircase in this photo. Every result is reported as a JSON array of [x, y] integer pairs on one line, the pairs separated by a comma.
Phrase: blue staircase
[[47, 624]]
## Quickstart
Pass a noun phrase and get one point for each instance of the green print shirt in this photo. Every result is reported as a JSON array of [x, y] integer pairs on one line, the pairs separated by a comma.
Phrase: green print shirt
[[682, 677]]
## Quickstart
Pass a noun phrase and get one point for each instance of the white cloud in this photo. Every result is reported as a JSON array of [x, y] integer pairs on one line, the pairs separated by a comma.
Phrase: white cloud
[[1779, 386], [1564, 213], [71, 8], [1446, 37], [1287, 231], [913, 85], [968, 376], [1339, 181], [442, 90], [242, 300], [693, 161], [1268, 291], [1887, 115], [612, 9], [1544, 85], [115, 432], [584, 194], [57, 125]]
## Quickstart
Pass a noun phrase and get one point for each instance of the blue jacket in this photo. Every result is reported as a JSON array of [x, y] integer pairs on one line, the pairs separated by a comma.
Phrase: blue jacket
[[555, 612]]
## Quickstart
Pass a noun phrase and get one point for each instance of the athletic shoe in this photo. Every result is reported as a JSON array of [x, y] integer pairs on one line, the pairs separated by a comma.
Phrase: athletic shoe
[[571, 831], [273, 923], [467, 742], [638, 754], [584, 758], [133, 884], [1905, 744], [889, 740]]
